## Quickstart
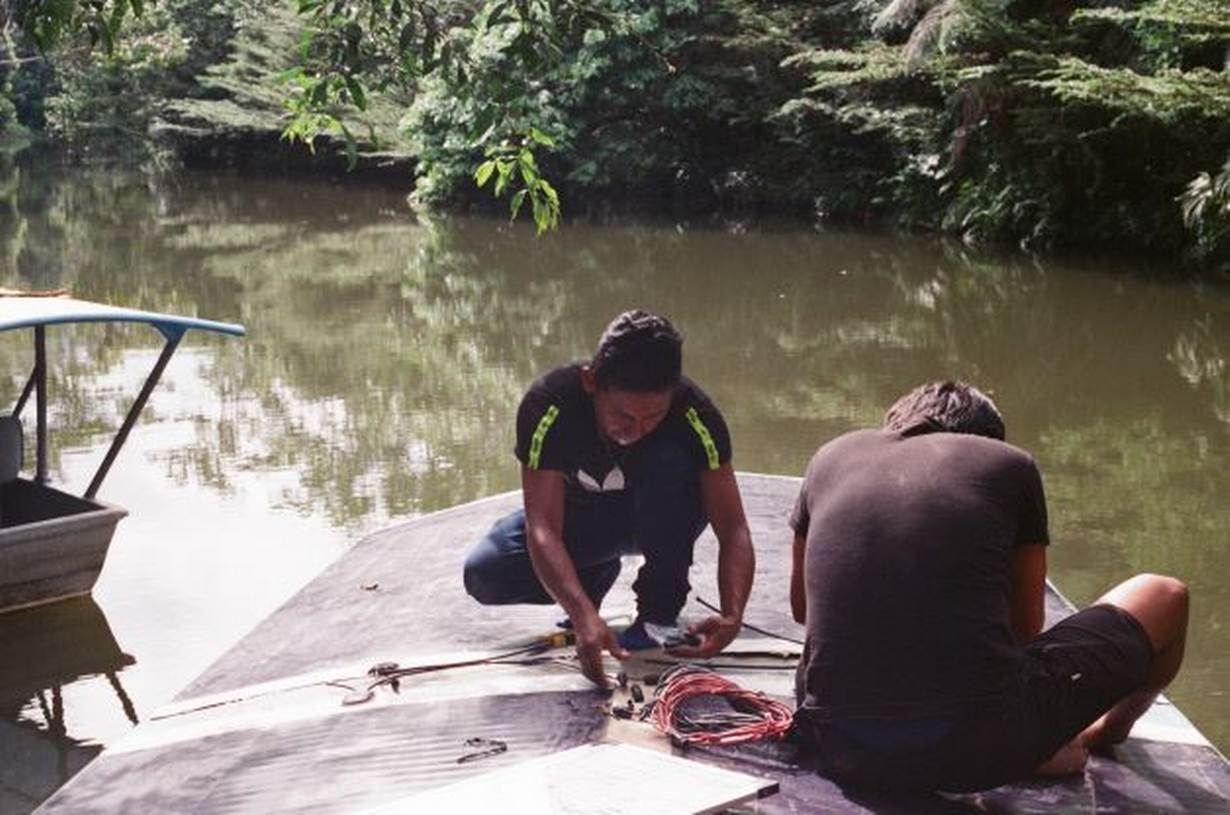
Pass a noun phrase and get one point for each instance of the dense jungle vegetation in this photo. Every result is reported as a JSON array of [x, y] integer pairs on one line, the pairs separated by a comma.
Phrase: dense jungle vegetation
[[1049, 124]]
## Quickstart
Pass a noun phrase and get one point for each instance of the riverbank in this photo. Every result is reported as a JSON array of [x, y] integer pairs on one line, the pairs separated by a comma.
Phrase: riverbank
[[1077, 127]]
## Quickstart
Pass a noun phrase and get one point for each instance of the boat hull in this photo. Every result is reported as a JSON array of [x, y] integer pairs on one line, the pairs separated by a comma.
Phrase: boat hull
[[52, 544], [267, 728]]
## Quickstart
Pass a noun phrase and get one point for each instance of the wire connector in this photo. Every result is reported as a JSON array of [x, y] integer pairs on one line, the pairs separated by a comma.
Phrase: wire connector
[[560, 639]]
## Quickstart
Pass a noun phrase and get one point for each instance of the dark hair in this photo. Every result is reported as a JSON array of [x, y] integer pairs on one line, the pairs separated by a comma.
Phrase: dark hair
[[948, 407], [639, 352]]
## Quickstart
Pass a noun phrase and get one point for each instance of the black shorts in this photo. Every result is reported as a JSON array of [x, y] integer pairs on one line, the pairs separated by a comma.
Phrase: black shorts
[[1078, 669], [1070, 675]]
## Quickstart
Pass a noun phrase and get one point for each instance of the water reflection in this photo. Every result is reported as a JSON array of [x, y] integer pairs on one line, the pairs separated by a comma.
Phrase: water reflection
[[1199, 358], [385, 358], [42, 651]]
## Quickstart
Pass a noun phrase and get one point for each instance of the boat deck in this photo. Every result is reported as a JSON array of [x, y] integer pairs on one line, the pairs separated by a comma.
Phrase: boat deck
[[265, 728]]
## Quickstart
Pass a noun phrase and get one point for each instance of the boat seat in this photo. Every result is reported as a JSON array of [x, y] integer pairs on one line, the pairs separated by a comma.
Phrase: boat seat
[[10, 448], [10, 452]]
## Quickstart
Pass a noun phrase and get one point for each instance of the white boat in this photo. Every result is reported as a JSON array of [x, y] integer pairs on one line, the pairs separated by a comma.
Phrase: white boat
[[53, 544]]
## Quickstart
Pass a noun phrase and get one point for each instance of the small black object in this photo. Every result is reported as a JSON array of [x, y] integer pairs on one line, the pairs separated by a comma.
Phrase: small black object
[[677, 638], [651, 679], [383, 669], [621, 713], [638, 695], [490, 747], [622, 679]]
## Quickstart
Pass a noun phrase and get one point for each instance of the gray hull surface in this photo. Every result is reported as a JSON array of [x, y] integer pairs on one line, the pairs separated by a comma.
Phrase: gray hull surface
[[265, 728]]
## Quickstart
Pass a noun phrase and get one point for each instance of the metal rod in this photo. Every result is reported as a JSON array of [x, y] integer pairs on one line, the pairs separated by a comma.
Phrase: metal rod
[[25, 395], [40, 401], [125, 702], [133, 413]]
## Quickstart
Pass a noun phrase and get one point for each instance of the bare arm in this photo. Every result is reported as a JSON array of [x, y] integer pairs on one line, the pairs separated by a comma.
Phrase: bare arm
[[1026, 591], [719, 495], [544, 539], [798, 591]]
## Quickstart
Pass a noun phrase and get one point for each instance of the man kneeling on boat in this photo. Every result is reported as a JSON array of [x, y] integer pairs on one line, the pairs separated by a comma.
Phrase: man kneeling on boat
[[919, 572], [621, 454]]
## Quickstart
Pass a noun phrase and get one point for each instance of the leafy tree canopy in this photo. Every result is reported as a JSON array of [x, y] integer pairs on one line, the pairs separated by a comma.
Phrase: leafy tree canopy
[[52, 23], [487, 52], [1040, 122]]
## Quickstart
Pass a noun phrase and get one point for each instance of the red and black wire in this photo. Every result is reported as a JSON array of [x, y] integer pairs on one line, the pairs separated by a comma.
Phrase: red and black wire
[[750, 715]]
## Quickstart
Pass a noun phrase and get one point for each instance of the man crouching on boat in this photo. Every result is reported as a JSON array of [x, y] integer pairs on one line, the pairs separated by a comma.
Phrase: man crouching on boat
[[919, 572], [619, 455]]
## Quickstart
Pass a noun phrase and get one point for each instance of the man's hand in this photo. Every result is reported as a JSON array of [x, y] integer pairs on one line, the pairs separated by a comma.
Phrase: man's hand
[[594, 637], [719, 494], [544, 540], [715, 633]]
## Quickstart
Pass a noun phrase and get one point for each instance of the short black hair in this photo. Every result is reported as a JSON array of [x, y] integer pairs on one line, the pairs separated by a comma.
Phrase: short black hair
[[945, 407], [639, 352]]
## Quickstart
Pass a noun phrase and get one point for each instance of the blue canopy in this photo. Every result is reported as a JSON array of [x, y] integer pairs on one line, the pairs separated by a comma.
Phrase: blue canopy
[[29, 311]]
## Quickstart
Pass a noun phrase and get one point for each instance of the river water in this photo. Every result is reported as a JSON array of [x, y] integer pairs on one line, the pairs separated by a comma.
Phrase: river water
[[386, 357]]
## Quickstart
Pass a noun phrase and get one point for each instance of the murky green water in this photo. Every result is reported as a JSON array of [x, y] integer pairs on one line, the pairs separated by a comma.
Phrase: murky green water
[[385, 359]]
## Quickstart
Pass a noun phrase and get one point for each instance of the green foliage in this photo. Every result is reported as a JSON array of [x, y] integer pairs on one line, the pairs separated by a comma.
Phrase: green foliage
[[8, 115], [1206, 212], [54, 23], [870, 123], [1040, 123], [666, 106], [96, 90], [105, 96], [508, 162], [309, 103], [1064, 124], [484, 54], [1170, 96], [869, 63], [238, 105], [1168, 33]]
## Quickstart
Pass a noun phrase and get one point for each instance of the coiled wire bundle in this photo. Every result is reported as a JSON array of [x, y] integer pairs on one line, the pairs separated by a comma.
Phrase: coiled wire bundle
[[743, 716]]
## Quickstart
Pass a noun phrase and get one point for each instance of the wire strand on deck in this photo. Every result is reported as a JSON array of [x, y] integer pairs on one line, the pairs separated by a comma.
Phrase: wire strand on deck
[[749, 626]]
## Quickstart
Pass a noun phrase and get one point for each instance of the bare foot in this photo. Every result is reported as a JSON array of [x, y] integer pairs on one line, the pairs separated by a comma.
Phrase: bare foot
[[1115, 725], [1098, 737], [1068, 760]]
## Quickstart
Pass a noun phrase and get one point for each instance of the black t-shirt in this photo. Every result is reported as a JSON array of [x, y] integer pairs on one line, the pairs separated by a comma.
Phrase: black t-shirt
[[907, 570], [556, 430]]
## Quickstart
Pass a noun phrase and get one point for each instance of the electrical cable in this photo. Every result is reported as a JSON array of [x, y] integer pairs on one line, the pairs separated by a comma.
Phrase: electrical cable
[[388, 674], [391, 675], [749, 626], [730, 666], [754, 715]]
